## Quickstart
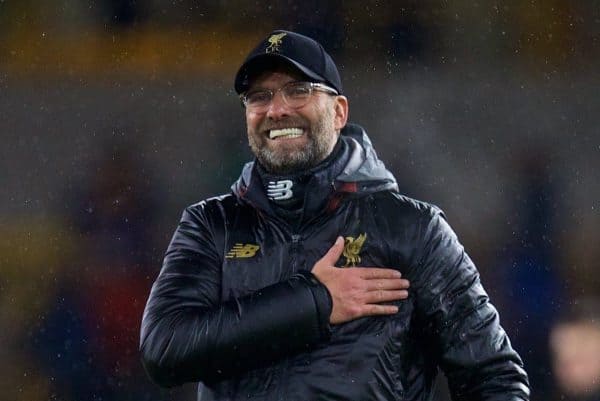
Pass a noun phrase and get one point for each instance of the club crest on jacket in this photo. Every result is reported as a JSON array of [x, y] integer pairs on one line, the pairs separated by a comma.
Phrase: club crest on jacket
[[352, 247]]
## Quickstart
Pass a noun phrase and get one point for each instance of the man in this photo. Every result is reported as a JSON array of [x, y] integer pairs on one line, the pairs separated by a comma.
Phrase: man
[[294, 286]]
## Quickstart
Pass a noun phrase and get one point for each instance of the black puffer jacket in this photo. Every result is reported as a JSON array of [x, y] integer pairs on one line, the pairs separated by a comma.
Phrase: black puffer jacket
[[235, 307]]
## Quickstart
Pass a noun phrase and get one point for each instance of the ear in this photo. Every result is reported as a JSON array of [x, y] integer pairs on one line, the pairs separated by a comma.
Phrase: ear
[[341, 112]]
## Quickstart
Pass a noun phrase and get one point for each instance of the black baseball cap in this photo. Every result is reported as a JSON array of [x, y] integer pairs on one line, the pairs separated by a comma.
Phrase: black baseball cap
[[303, 53]]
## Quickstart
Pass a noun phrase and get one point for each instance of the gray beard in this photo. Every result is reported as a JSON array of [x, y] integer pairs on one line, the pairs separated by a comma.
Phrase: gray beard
[[315, 151]]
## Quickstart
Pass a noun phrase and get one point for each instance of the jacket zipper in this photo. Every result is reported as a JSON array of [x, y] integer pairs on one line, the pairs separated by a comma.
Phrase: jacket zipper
[[294, 251], [283, 372]]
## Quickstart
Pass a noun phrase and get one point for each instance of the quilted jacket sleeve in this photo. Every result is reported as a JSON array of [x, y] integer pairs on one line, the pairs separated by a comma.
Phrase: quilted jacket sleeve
[[476, 354], [188, 334]]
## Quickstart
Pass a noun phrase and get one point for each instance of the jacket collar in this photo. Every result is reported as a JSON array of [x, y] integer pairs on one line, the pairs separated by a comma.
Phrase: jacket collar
[[356, 171]]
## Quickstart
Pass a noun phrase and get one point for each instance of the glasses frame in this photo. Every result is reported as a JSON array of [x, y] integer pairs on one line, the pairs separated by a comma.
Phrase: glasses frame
[[313, 86]]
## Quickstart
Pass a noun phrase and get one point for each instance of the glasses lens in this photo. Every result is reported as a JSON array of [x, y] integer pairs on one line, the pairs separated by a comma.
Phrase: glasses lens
[[257, 99], [296, 94]]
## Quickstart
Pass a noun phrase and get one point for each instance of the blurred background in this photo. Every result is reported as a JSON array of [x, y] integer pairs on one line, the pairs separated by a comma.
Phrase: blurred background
[[116, 114]]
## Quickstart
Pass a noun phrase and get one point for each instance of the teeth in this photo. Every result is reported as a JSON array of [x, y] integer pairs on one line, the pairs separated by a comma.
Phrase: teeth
[[287, 132]]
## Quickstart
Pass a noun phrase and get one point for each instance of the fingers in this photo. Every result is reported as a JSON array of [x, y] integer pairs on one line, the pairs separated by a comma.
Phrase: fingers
[[359, 311], [334, 253], [372, 273], [374, 297], [387, 284], [372, 310]]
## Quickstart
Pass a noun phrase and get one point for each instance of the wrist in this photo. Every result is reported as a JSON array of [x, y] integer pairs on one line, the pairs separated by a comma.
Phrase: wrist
[[323, 300]]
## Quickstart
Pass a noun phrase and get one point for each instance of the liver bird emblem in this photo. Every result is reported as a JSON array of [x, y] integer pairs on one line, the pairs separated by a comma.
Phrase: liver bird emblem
[[352, 247], [274, 42]]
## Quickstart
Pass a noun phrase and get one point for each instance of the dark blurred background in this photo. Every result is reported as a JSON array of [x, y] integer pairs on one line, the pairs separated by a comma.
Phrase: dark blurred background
[[116, 114]]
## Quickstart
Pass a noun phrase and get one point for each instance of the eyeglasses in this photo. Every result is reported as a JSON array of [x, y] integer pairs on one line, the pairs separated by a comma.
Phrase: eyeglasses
[[294, 94]]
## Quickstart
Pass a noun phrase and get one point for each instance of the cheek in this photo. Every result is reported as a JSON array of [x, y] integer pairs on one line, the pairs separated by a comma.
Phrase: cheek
[[326, 115], [252, 120]]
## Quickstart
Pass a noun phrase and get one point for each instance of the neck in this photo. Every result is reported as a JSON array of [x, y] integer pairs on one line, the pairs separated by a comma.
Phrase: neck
[[288, 190]]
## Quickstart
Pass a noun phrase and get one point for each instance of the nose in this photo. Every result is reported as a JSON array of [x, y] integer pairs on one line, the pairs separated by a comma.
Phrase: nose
[[278, 108]]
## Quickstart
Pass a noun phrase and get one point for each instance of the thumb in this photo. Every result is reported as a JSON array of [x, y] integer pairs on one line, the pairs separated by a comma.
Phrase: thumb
[[334, 253]]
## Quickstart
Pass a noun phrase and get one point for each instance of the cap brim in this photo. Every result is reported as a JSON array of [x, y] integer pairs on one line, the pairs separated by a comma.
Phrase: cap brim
[[263, 62]]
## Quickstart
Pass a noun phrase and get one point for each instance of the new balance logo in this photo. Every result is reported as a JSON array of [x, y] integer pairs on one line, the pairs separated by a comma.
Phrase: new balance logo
[[242, 251], [280, 190]]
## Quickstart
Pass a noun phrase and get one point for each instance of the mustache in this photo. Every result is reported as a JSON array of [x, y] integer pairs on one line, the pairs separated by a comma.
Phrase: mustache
[[287, 123]]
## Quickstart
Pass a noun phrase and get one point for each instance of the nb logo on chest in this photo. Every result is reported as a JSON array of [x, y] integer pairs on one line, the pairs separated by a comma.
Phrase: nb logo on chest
[[242, 251]]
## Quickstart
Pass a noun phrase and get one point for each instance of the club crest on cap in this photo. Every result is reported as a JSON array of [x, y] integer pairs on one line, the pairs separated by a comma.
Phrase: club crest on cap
[[274, 42]]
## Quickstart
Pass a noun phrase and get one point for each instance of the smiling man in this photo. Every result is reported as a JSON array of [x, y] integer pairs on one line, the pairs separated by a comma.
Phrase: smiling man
[[295, 285], [287, 142]]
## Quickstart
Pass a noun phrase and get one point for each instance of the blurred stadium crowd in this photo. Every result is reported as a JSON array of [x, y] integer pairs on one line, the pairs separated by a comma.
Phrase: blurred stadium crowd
[[115, 114]]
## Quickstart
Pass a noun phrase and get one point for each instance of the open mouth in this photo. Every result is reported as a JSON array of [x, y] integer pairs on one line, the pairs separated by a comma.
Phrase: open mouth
[[286, 133]]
